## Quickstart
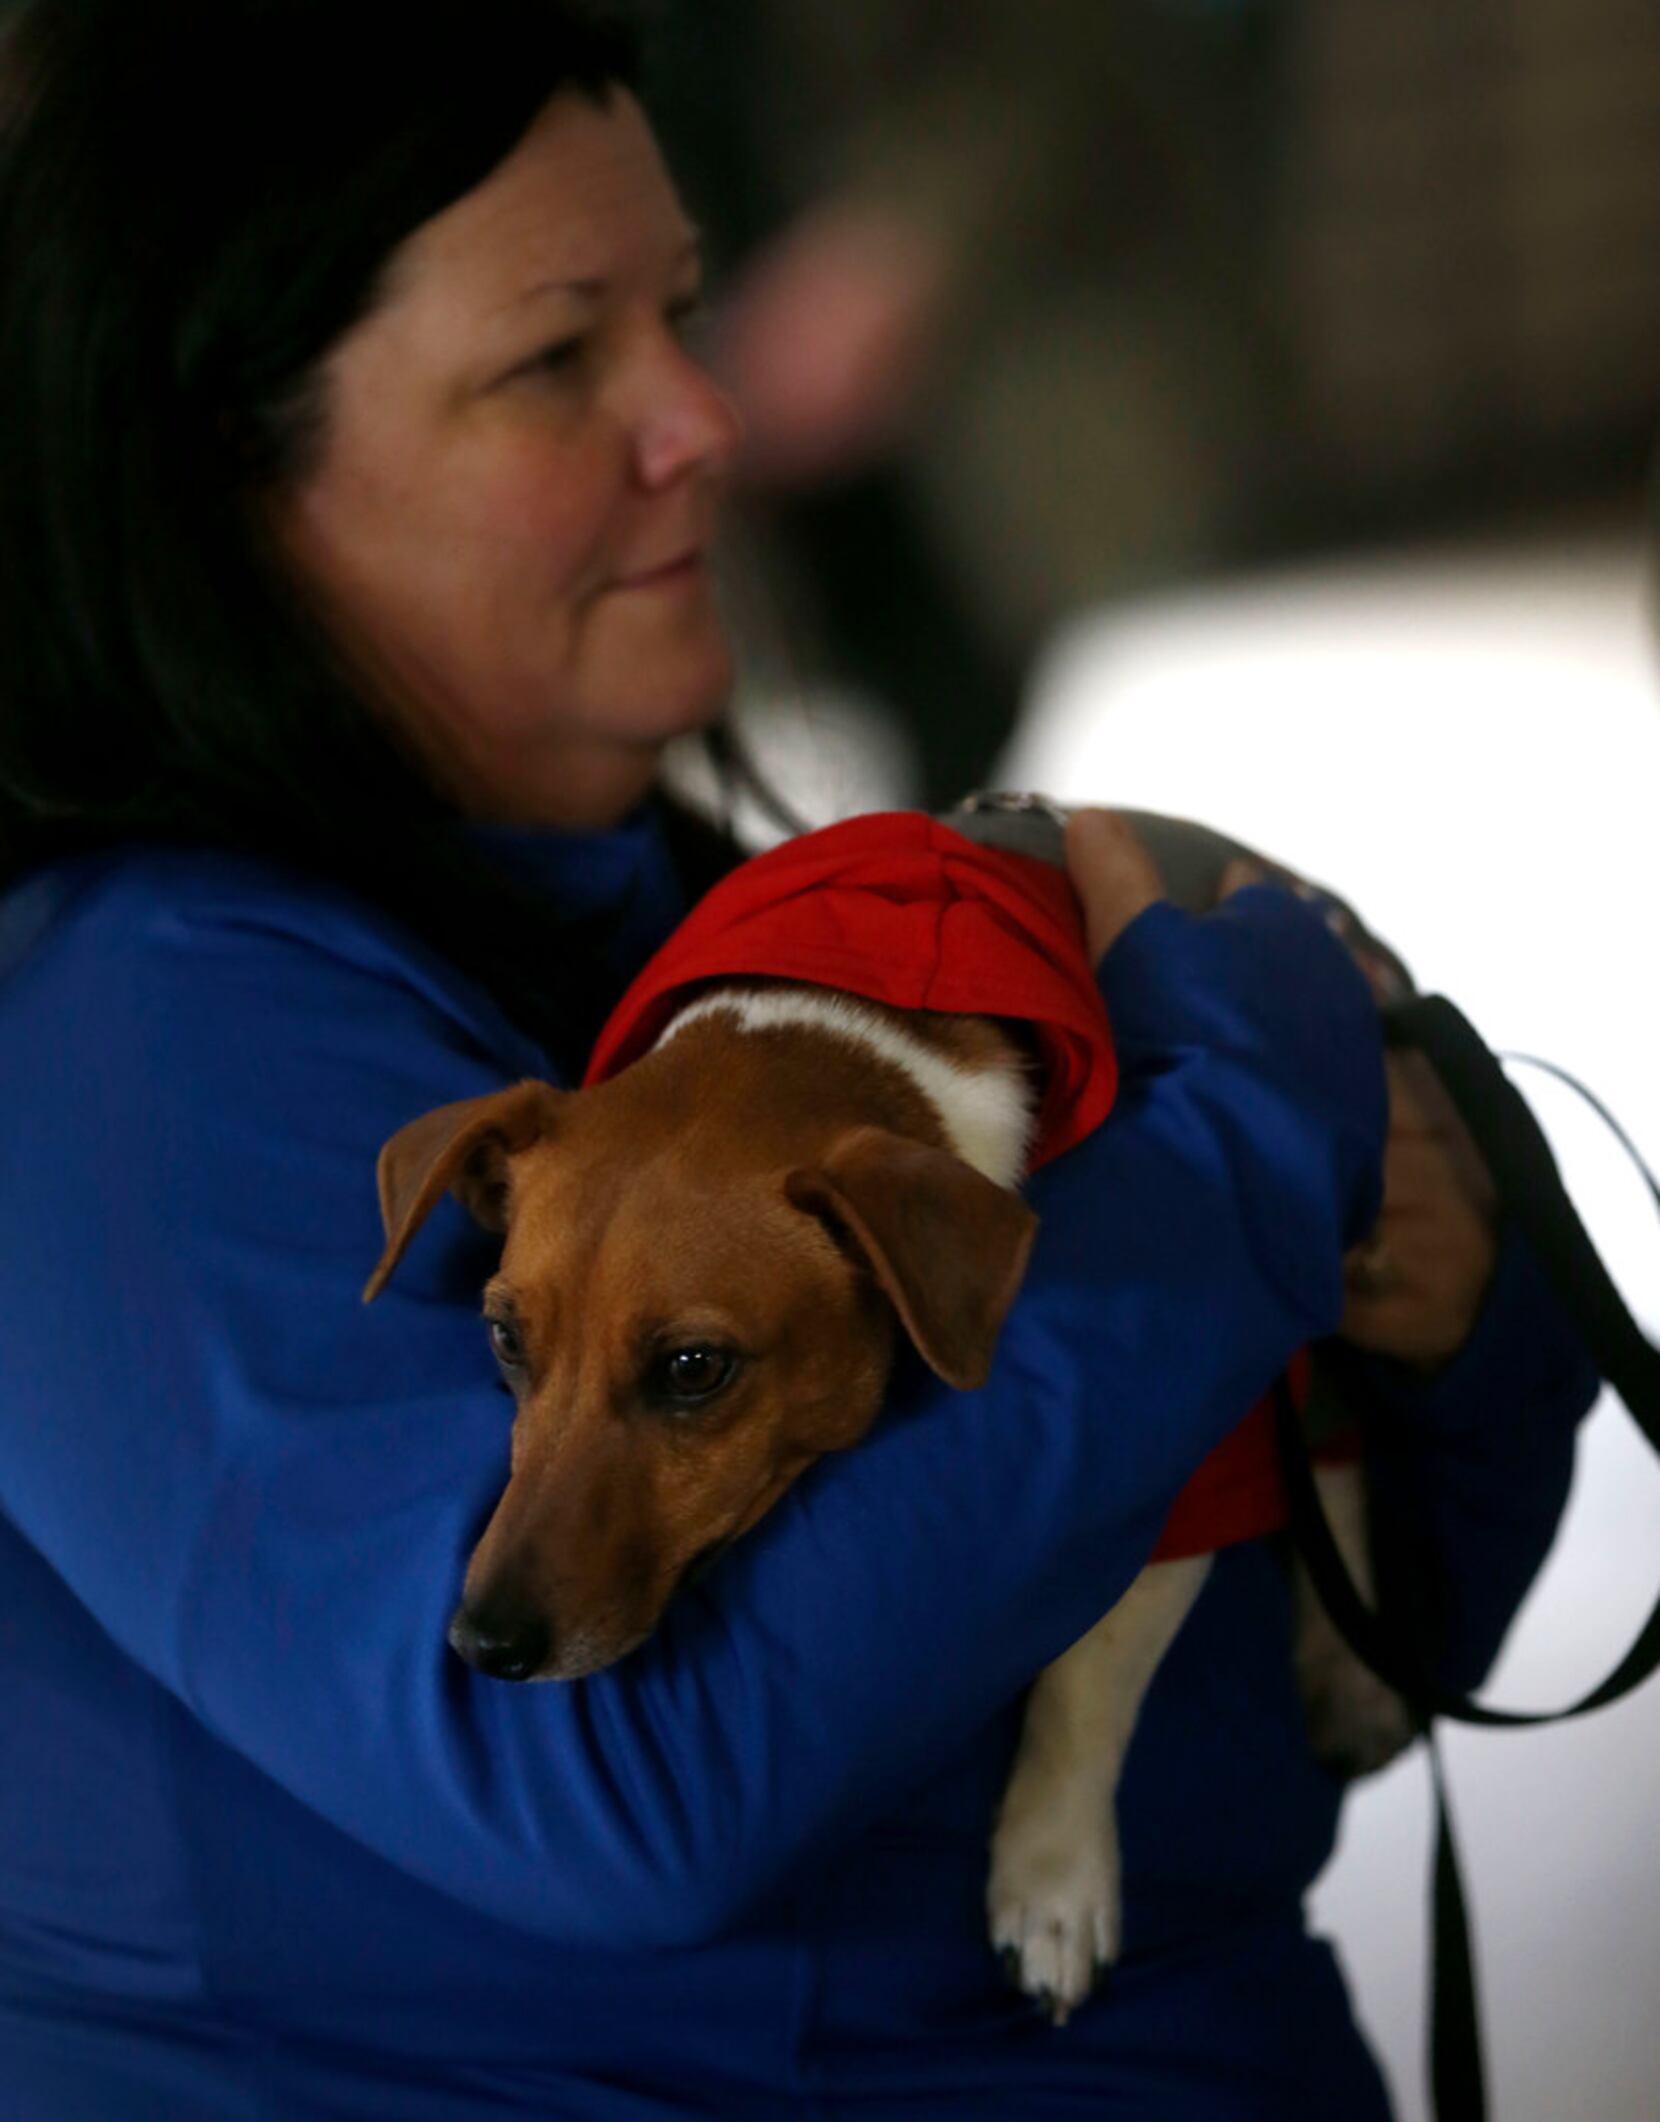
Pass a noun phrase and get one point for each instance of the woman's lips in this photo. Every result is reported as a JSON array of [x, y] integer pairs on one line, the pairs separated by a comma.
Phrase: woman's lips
[[672, 574]]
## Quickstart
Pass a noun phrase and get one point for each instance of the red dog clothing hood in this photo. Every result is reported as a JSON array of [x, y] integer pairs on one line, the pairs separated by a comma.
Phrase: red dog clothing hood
[[902, 910]]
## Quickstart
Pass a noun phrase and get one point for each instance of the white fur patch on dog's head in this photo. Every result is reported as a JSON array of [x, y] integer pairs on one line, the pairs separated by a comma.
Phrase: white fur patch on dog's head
[[987, 1113]]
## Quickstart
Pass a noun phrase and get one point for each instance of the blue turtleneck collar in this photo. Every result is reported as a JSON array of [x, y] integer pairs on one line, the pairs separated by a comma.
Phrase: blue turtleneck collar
[[623, 878]]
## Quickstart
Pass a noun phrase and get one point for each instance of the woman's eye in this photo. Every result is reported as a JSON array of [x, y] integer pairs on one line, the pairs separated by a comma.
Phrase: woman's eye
[[507, 1344], [562, 357], [685, 1377]]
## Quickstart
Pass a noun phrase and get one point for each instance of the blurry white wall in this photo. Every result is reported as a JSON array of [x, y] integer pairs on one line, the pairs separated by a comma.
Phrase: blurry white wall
[[1467, 746]]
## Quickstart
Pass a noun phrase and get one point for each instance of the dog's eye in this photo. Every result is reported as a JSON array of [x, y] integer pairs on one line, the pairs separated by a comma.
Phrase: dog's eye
[[507, 1344], [685, 1377]]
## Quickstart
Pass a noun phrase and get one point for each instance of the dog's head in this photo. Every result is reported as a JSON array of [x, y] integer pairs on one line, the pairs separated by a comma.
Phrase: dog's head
[[688, 1312]]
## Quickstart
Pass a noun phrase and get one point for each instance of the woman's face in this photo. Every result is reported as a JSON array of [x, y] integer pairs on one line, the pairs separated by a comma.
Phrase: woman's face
[[509, 526]]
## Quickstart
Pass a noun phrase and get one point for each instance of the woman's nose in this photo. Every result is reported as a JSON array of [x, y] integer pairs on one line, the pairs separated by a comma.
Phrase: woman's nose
[[686, 423]]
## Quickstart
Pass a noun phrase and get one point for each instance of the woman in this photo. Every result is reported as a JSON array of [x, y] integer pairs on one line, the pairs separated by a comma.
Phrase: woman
[[358, 500]]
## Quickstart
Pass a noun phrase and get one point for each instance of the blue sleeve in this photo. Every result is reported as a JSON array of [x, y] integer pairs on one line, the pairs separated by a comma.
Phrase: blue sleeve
[[1469, 1470], [265, 1493]]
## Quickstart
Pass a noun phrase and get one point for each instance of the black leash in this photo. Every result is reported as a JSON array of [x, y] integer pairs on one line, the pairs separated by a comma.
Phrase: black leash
[[1533, 1196]]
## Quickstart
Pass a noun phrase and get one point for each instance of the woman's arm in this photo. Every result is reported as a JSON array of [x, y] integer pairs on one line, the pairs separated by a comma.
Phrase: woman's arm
[[265, 1493]]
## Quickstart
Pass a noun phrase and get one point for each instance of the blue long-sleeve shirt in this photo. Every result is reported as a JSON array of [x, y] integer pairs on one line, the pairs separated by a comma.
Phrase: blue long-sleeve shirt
[[267, 1849]]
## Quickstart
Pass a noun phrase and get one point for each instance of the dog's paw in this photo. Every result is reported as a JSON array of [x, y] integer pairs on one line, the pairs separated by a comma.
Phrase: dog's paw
[[1053, 1907], [1357, 1724]]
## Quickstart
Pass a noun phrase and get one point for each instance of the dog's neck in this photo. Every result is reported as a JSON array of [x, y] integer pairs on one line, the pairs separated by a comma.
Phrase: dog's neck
[[971, 1076]]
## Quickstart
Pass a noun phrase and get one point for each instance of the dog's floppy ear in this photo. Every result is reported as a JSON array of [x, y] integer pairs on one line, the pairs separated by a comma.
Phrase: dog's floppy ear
[[464, 1147], [947, 1246]]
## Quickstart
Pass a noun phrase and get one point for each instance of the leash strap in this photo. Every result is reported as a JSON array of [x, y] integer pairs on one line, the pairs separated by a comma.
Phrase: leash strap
[[1532, 1193]]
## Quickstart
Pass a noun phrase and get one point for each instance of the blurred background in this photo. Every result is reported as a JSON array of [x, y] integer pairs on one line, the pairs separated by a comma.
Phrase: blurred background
[[1243, 409]]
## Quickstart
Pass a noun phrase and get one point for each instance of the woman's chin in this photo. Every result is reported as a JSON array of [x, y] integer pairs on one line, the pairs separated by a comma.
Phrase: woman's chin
[[666, 673], [690, 698]]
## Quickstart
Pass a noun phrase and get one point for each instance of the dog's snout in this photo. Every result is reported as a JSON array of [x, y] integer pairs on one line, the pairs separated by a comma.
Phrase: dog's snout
[[504, 1643]]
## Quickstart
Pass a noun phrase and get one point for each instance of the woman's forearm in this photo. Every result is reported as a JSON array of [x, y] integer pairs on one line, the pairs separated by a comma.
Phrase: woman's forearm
[[265, 1493]]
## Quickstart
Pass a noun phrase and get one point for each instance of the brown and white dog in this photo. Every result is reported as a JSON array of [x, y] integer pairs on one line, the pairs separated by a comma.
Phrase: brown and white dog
[[706, 1262]]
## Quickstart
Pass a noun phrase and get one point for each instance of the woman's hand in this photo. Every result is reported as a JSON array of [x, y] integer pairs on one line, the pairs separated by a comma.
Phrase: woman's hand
[[1415, 1287], [1112, 873]]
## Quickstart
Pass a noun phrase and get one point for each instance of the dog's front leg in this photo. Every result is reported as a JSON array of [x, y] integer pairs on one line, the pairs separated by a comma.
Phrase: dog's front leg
[[1357, 1724], [1053, 1893]]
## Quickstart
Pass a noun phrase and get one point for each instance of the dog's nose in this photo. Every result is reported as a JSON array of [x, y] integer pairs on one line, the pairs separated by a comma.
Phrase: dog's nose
[[504, 1644]]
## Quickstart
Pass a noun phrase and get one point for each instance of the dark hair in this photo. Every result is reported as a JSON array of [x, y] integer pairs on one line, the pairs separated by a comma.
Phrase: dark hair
[[197, 199]]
